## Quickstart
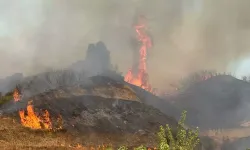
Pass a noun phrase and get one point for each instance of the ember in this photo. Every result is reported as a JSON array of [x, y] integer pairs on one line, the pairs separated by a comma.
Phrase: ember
[[141, 78]]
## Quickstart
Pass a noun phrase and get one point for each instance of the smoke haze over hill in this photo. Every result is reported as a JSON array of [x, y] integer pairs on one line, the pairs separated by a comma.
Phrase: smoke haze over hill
[[187, 36]]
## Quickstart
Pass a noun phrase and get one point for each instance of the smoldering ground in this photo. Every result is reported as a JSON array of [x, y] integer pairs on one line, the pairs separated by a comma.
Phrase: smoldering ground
[[188, 35]]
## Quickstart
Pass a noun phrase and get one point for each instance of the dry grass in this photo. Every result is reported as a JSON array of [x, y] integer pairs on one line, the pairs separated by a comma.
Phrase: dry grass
[[115, 93], [107, 91], [15, 136]]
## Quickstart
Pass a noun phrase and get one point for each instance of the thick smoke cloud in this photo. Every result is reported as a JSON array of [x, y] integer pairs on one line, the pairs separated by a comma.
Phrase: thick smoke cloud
[[188, 35]]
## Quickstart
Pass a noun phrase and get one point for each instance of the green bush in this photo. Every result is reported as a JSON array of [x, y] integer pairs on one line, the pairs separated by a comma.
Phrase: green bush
[[184, 140], [6, 98]]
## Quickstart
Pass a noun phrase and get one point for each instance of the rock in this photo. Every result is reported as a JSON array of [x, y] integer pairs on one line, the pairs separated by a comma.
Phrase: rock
[[142, 132]]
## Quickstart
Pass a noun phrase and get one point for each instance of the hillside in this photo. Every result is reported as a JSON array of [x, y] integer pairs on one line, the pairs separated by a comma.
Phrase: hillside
[[238, 144], [104, 120], [96, 113], [161, 104], [104, 108], [219, 102]]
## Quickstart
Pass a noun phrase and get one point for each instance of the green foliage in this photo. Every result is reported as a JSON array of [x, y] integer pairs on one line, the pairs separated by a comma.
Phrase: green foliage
[[141, 148], [109, 148], [162, 138], [184, 140], [123, 148], [6, 98]]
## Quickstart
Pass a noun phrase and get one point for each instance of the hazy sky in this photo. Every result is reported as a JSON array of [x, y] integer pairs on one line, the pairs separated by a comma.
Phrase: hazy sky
[[18, 21], [205, 34]]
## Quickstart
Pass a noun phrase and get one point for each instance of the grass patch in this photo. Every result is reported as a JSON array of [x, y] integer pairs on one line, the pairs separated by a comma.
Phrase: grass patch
[[6, 98]]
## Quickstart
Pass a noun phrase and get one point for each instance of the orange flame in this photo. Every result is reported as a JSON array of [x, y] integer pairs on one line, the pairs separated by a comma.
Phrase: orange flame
[[31, 120], [46, 120], [16, 95], [141, 78]]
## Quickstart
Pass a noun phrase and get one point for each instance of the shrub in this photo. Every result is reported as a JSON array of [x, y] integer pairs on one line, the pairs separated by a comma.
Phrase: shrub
[[184, 140], [6, 98]]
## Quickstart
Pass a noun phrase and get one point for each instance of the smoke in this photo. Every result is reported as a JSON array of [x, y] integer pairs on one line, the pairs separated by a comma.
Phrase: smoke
[[187, 36]]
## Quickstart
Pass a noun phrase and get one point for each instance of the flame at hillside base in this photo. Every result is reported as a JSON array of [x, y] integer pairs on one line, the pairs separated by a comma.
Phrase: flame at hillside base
[[31, 120], [141, 77]]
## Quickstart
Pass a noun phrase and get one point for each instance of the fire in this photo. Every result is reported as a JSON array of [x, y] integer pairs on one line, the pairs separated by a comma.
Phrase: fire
[[141, 77], [46, 120], [16, 95], [31, 120]]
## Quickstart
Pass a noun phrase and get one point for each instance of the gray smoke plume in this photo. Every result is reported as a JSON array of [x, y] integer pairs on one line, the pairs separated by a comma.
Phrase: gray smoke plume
[[188, 35]]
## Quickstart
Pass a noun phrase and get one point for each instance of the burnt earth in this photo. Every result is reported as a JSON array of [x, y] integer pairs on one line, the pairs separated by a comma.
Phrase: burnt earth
[[97, 120], [88, 114]]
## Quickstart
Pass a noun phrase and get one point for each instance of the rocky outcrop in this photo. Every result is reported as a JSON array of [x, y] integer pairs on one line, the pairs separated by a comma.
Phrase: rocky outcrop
[[96, 62]]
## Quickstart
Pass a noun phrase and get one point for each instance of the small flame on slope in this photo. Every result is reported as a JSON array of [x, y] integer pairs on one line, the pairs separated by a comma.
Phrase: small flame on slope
[[46, 120], [31, 120]]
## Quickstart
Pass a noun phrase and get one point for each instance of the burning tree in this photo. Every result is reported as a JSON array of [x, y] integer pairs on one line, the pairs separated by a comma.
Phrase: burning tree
[[140, 76]]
